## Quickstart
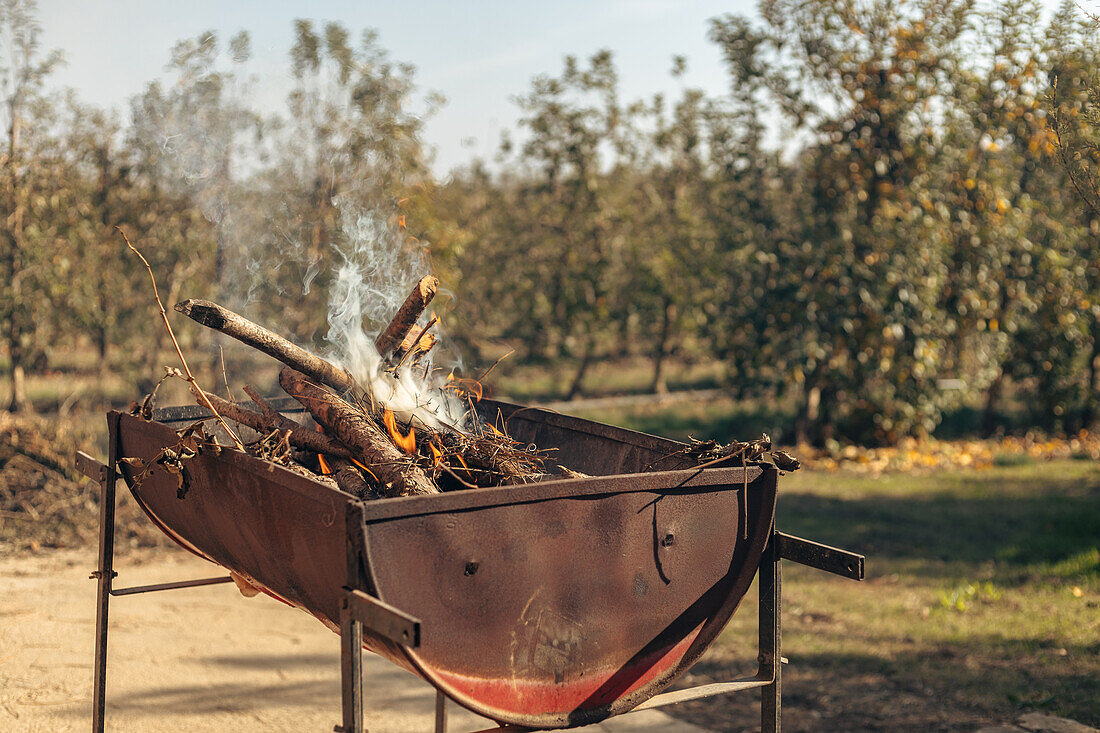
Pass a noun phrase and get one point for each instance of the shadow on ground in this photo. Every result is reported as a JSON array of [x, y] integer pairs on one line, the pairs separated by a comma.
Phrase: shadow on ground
[[883, 656], [927, 690]]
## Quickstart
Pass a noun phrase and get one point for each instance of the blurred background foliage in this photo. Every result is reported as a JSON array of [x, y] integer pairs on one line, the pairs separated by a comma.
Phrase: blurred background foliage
[[891, 217]]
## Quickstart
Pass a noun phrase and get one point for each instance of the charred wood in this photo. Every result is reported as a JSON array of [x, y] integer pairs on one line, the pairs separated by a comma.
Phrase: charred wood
[[396, 474], [214, 316], [299, 436], [407, 315]]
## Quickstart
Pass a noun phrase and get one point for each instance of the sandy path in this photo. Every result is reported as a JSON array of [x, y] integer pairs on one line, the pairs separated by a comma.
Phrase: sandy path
[[201, 659]]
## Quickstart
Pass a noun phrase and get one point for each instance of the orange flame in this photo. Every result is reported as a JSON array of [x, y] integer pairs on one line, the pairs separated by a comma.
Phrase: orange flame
[[407, 443], [326, 470], [401, 221], [468, 474], [464, 387], [357, 463], [494, 429], [435, 453]]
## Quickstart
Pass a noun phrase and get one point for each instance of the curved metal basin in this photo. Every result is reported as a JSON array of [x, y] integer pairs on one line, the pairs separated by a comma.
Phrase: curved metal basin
[[547, 605]]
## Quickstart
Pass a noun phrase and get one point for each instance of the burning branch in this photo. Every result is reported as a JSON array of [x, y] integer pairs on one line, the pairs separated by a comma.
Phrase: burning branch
[[392, 460], [407, 315], [350, 479], [222, 319], [397, 475], [299, 436]]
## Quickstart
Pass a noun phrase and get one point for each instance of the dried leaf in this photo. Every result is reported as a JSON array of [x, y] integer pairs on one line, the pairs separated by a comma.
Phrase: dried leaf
[[784, 461]]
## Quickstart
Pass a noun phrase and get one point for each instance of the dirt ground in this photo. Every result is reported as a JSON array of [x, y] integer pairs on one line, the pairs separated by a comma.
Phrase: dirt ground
[[200, 659]]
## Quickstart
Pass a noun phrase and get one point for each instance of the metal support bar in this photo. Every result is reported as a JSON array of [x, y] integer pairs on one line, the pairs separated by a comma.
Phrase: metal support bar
[[769, 587], [383, 619], [105, 573], [816, 555], [134, 590], [351, 627], [701, 691], [440, 712], [90, 467], [351, 670], [107, 477]]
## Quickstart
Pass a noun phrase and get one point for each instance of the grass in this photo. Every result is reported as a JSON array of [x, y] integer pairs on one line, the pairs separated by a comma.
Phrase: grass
[[982, 601]]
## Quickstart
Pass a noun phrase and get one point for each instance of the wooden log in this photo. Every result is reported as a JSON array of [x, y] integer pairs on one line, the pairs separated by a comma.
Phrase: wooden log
[[424, 343], [415, 345], [300, 437], [397, 475], [349, 478], [214, 316], [407, 315]]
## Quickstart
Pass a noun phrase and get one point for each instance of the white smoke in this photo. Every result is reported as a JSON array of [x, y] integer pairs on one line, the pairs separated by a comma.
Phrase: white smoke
[[202, 135], [374, 270]]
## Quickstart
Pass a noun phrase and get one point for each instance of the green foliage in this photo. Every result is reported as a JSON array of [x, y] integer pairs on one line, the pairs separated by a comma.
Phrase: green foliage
[[920, 230], [931, 215], [25, 110]]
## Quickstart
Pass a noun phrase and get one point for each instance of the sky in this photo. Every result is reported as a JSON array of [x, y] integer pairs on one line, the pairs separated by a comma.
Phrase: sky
[[479, 53]]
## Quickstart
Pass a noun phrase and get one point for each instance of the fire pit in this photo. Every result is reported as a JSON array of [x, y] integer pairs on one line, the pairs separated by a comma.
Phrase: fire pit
[[539, 606]]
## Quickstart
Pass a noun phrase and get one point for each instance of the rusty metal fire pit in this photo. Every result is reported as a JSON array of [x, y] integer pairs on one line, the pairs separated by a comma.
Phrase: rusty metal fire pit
[[539, 606]]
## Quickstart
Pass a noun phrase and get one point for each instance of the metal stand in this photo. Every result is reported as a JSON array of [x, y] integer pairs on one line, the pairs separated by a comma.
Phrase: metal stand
[[360, 609], [107, 476], [769, 586]]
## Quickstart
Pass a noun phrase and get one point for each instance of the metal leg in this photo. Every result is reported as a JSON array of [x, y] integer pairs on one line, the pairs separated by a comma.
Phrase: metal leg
[[440, 712], [351, 628], [770, 582], [351, 671], [105, 575]]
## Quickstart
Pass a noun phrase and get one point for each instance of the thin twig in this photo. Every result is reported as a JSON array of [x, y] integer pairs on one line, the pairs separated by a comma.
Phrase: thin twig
[[195, 389], [268, 411], [489, 371], [225, 377]]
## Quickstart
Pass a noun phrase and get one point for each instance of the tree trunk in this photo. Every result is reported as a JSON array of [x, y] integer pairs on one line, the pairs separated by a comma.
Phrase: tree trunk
[[824, 422], [13, 222], [19, 401], [578, 379], [990, 421], [660, 353], [1088, 415], [101, 346], [808, 416]]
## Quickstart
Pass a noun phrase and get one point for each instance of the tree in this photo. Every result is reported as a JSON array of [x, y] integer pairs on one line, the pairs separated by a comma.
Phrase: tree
[[863, 276], [1072, 310], [572, 155], [347, 153], [22, 72]]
